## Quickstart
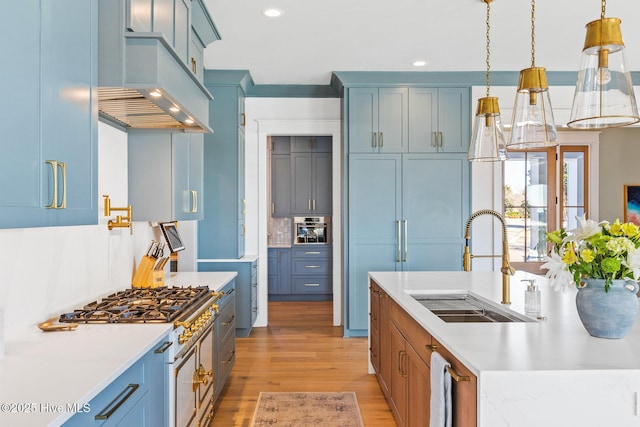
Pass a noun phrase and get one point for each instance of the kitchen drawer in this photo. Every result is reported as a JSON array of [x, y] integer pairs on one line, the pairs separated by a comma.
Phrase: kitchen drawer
[[121, 400], [415, 334], [311, 267], [254, 273], [311, 251], [226, 359], [226, 321], [312, 285]]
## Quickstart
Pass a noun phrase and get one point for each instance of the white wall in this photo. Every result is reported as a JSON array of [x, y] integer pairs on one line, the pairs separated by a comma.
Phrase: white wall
[[287, 116]]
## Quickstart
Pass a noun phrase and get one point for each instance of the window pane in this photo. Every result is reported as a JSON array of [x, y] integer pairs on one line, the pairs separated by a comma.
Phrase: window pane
[[569, 217], [573, 179], [536, 232]]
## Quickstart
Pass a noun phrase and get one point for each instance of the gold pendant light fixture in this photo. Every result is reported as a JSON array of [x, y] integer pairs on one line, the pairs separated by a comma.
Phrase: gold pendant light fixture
[[532, 124], [604, 92], [487, 142]]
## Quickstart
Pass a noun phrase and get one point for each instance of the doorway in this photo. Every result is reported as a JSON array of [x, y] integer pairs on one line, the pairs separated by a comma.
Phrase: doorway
[[265, 129]]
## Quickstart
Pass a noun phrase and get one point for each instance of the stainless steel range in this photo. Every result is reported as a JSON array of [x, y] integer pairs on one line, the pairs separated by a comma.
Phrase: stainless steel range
[[190, 352]]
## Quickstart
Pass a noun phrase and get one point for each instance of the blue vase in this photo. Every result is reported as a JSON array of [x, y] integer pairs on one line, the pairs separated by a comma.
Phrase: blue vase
[[607, 314]]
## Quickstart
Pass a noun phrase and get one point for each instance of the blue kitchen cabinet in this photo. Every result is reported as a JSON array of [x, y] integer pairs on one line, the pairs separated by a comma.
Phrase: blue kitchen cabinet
[[406, 212], [49, 79], [138, 397], [221, 233], [246, 303], [311, 272], [203, 32], [279, 273], [438, 120], [166, 176], [281, 185], [378, 120], [311, 183]]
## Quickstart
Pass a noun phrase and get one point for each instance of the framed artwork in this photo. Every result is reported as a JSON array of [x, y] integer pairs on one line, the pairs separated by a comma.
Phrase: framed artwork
[[632, 204]]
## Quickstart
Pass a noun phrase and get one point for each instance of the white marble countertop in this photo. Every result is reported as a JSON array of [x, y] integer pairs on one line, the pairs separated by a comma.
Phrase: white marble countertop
[[558, 343], [246, 258], [50, 369]]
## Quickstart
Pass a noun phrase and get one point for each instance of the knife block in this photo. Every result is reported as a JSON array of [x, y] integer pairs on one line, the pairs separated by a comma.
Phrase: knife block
[[143, 277]]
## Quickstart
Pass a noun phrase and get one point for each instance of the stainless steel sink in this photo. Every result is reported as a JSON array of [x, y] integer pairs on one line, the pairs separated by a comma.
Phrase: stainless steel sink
[[464, 307]]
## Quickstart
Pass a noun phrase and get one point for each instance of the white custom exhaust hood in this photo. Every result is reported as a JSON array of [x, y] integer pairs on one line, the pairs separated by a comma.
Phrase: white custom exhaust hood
[[143, 84]]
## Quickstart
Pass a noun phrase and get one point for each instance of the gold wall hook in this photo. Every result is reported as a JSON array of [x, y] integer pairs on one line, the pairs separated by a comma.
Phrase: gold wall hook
[[121, 221]]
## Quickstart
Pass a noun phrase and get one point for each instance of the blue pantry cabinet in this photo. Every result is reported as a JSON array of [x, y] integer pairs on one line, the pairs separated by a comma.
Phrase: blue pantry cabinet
[[408, 196], [49, 81], [281, 176], [279, 277], [311, 175], [221, 234]]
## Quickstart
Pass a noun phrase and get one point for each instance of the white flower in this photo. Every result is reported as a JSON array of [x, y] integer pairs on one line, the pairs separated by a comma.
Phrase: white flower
[[560, 278], [633, 263], [586, 229]]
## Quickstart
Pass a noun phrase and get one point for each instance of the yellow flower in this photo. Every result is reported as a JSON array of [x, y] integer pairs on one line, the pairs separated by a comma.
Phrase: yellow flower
[[554, 237], [587, 255], [616, 228], [630, 229], [569, 257]]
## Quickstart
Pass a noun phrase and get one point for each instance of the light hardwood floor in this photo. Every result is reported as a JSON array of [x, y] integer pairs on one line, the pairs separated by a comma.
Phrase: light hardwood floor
[[300, 350]]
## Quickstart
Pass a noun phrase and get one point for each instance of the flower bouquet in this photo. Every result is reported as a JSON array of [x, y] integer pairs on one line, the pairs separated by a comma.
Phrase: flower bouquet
[[593, 250]]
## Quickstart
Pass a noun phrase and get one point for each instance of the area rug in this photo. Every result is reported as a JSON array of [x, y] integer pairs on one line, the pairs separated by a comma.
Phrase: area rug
[[307, 410]]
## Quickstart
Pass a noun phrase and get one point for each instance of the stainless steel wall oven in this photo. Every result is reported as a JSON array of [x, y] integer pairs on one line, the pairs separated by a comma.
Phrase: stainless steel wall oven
[[309, 230]]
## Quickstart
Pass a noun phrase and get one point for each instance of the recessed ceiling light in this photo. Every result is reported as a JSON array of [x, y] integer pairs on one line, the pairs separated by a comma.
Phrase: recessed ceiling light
[[272, 12], [174, 109], [419, 63], [155, 93], [188, 121]]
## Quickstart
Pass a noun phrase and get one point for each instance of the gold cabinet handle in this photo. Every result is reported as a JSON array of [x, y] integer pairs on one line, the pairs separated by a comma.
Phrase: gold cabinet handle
[[194, 66], [55, 166], [244, 119], [194, 201], [244, 230], [375, 139], [273, 208], [163, 347], [431, 347], [314, 204], [440, 143], [244, 206], [381, 139], [434, 139], [230, 321], [230, 359], [456, 377], [54, 172]]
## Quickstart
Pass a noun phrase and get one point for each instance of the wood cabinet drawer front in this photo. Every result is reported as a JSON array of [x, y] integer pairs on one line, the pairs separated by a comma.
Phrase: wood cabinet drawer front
[[311, 267], [312, 285], [415, 334], [311, 252]]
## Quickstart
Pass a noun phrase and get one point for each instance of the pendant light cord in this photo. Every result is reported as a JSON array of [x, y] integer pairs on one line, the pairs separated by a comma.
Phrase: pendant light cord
[[488, 45], [533, 33], [604, 7]]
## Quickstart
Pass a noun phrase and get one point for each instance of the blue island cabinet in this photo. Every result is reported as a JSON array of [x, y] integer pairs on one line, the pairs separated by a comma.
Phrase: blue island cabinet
[[246, 293], [138, 397], [50, 125]]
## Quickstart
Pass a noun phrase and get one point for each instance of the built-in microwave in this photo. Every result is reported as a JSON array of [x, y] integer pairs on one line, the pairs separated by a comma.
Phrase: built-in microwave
[[309, 230]]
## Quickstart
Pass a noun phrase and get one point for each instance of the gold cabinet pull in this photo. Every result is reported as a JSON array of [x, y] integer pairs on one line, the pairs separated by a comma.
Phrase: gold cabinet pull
[[314, 204], [431, 347], [273, 208], [244, 119], [244, 230], [194, 66], [434, 139], [375, 139], [54, 172], [381, 140], [456, 377], [194, 201], [440, 142], [163, 347], [63, 168]]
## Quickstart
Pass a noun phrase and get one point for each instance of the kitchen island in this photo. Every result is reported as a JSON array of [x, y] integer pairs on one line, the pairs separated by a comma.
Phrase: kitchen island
[[49, 376], [547, 372]]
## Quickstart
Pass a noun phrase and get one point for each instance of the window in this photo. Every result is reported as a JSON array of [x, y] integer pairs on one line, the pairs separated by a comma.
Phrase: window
[[531, 206]]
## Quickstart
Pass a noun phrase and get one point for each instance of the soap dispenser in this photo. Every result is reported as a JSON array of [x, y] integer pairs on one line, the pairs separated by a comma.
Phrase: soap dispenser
[[532, 298]]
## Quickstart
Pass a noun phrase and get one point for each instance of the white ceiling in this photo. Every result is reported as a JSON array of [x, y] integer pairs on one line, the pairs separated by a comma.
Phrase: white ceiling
[[314, 38]]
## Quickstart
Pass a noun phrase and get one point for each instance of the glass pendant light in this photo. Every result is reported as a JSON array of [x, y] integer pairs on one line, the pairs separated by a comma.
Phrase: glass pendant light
[[604, 92], [532, 124], [487, 142]]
